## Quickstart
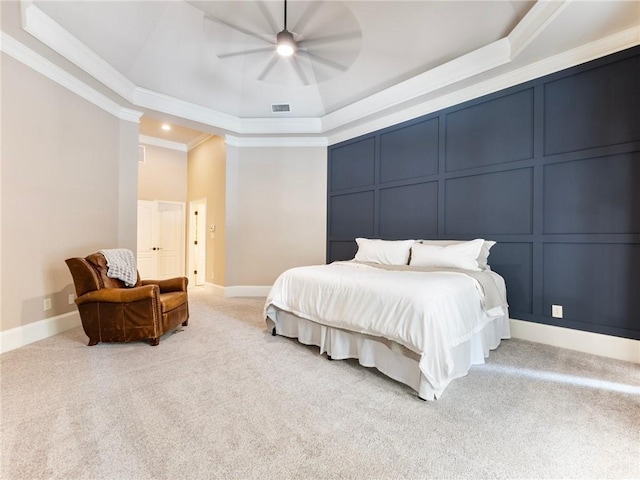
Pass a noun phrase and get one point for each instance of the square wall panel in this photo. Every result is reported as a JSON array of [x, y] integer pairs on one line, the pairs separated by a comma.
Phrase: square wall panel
[[409, 211], [594, 283], [409, 152], [597, 195], [514, 261], [351, 215], [595, 108], [352, 165], [491, 203], [493, 132]]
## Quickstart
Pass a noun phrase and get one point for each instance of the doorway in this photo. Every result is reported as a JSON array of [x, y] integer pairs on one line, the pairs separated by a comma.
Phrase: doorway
[[197, 242], [161, 227]]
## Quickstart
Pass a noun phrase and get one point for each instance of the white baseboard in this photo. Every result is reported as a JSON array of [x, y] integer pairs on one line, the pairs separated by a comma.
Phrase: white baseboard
[[594, 343], [587, 342], [214, 289], [32, 332]]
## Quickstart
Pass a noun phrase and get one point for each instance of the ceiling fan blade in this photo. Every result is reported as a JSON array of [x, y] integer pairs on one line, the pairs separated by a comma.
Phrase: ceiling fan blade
[[245, 52], [299, 71], [306, 16], [239, 29], [328, 39], [325, 61], [269, 67], [268, 17]]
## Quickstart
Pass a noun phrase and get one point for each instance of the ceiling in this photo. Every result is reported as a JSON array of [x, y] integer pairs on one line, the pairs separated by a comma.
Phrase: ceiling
[[177, 58], [152, 127]]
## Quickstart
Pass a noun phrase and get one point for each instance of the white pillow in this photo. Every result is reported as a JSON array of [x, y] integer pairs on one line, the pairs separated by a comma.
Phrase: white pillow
[[483, 258], [459, 255], [386, 252]]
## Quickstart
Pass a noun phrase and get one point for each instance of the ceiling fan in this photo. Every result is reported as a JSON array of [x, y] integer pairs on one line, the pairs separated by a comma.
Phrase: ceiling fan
[[324, 40]]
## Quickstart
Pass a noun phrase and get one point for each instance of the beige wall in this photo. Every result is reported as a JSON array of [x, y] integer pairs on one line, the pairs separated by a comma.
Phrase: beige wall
[[276, 211], [128, 185], [69, 176], [163, 176], [206, 175]]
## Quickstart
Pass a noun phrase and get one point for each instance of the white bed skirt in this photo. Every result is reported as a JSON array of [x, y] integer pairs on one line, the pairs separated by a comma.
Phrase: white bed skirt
[[392, 359]]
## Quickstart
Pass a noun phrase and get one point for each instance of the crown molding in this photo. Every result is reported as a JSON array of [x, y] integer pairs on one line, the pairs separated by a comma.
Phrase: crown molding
[[533, 24], [45, 29], [473, 63], [143, 97], [276, 141], [161, 142], [585, 53], [245, 126], [33, 60], [360, 117], [291, 126], [129, 115]]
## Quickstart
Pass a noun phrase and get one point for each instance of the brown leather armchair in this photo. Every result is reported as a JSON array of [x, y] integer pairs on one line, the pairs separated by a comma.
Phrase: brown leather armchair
[[111, 312]]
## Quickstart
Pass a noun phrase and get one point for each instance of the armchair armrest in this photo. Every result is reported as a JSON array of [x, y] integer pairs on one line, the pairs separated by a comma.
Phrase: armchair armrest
[[178, 284], [119, 295]]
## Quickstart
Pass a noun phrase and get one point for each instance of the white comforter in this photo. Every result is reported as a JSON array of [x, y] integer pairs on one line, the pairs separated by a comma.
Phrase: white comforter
[[427, 312]]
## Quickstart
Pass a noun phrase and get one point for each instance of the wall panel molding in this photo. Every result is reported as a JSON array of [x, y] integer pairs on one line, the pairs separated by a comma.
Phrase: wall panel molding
[[497, 131], [549, 169], [498, 203]]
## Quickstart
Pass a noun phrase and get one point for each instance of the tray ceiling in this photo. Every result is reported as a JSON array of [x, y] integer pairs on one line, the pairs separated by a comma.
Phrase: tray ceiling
[[174, 51]]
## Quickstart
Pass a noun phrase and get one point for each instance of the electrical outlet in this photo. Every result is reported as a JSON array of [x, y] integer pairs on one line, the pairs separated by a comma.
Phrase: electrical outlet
[[556, 311], [47, 304], [72, 297]]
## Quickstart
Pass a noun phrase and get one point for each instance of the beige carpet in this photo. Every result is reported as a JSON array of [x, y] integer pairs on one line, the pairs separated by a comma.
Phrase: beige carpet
[[224, 399]]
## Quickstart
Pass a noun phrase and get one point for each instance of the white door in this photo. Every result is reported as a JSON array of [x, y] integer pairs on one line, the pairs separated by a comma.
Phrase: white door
[[146, 240], [197, 242], [160, 239]]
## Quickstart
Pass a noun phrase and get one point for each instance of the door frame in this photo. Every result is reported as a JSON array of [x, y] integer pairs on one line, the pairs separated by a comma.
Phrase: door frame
[[201, 206]]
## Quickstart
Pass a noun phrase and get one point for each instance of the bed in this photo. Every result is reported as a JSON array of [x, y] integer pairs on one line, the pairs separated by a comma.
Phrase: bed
[[420, 322]]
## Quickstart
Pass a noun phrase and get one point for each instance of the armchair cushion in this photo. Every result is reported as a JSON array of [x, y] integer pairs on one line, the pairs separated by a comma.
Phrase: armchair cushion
[[171, 300], [178, 284]]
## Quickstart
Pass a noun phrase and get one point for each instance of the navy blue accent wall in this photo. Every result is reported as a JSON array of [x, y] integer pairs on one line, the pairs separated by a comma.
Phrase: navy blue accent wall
[[549, 169]]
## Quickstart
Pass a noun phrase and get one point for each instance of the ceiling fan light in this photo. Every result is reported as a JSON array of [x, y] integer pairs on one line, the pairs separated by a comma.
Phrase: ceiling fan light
[[286, 45], [285, 50]]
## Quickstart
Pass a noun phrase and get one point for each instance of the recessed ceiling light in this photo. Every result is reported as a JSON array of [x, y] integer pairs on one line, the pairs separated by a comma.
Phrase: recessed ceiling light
[[166, 127]]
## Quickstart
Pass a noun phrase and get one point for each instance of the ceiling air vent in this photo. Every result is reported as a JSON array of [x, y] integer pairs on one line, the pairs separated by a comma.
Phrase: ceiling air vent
[[280, 108]]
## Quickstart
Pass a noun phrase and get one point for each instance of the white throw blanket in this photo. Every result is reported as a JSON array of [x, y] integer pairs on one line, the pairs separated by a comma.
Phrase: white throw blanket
[[121, 264]]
